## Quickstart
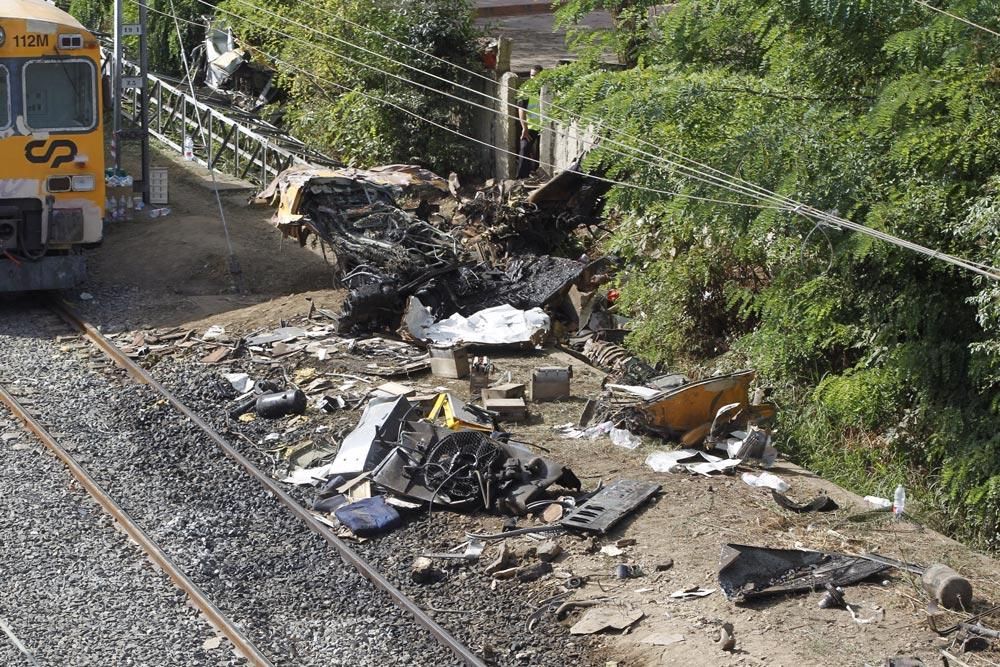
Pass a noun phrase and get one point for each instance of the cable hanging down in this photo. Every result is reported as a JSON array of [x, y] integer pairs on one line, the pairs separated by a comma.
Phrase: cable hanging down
[[717, 177], [234, 266]]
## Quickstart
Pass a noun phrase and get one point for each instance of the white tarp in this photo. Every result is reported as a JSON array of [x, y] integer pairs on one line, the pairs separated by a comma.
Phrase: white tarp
[[692, 460], [501, 325]]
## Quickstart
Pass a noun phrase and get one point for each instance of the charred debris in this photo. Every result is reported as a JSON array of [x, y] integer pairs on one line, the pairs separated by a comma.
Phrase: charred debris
[[400, 232], [403, 403]]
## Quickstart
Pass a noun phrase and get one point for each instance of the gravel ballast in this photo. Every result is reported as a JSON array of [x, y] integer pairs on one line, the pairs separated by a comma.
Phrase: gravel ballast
[[75, 590], [292, 594], [471, 605]]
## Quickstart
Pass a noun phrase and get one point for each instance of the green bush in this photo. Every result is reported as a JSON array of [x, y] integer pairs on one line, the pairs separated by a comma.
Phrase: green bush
[[885, 361]]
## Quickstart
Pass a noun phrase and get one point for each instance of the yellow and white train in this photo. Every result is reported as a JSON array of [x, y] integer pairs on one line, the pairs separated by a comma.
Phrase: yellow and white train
[[51, 146]]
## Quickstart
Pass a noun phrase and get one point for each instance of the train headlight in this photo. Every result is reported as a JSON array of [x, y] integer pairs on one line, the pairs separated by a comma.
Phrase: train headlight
[[60, 184], [83, 183], [3, 36]]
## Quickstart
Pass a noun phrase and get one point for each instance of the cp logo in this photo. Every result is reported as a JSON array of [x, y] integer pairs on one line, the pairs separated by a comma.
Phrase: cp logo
[[58, 152]]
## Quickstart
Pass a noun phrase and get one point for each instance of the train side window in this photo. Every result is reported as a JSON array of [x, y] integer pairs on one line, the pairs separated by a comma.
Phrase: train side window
[[60, 95], [4, 97]]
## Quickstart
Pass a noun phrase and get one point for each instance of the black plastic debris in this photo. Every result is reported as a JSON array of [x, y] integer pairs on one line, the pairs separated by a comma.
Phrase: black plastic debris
[[610, 505], [821, 503], [279, 404], [748, 572], [330, 503], [467, 469]]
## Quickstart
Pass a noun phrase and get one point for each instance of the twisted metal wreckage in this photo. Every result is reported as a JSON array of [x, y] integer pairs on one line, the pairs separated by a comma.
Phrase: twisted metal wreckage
[[487, 264], [493, 251]]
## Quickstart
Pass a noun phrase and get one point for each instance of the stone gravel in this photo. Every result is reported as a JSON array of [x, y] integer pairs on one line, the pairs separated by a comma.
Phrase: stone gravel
[[471, 608], [73, 589], [293, 596]]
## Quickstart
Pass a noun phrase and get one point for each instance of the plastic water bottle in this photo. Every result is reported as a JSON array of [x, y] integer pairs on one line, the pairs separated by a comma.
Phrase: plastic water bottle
[[899, 501], [188, 149]]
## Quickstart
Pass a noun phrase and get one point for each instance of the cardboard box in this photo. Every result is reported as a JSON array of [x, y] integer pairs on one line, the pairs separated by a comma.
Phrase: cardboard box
[[508, 390], [508, 409], [550, 383], [450, 362]]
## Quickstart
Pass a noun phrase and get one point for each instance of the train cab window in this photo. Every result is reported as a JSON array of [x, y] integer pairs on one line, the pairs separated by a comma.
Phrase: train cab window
[[60, 95], [4, 97]]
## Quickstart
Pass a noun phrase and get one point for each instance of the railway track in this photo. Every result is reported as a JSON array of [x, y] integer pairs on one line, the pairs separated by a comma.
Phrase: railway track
[[263, 578]]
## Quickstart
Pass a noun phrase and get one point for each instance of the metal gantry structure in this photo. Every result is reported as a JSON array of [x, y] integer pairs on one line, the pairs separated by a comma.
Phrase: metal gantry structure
[[121, 83], [229, 140], [226, 139]]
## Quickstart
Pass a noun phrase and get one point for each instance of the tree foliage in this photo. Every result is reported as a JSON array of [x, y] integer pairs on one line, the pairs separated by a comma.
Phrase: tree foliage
[[330, 100], [887, 362], [164, 46], [335, 101]]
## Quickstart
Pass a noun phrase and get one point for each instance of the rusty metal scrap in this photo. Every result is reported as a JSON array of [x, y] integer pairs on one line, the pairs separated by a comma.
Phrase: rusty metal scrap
[[618, 360]]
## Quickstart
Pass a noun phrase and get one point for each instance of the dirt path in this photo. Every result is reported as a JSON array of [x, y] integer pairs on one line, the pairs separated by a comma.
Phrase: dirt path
[[180, 263]]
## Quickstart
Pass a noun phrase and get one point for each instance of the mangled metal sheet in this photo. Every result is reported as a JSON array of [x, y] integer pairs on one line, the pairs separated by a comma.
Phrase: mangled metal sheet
[[292, 189], [502, 325], [365, 447], [692, 405], [748, 572]]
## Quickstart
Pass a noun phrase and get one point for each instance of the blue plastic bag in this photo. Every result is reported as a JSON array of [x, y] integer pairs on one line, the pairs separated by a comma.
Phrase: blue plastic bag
[[369, 516]]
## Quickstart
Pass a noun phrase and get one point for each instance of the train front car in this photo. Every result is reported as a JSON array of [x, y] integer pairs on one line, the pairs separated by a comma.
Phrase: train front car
[[51, 146]]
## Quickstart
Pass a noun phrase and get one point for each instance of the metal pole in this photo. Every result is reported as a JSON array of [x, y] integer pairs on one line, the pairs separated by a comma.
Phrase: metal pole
[[116, 87], [144, 97]]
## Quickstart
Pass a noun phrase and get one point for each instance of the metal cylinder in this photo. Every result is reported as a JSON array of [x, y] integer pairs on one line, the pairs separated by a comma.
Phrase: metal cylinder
[[948, 587], [272, 406]]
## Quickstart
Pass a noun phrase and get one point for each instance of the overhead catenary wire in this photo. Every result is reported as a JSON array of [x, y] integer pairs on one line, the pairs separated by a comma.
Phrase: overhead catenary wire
[[957, 17], [633, 152], [722, 178], [381, 100], [234, 266], [717, 177]]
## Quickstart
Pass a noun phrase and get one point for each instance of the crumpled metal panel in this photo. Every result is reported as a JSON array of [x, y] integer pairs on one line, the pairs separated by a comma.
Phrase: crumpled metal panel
[[747, 572], [694, 404], [379, 184]]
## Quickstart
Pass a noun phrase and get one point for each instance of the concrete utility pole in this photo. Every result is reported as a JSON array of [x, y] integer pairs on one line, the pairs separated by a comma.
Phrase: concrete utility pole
[[121, 84]]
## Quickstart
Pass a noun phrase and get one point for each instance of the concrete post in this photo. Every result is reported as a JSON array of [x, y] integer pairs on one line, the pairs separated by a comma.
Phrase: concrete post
[[503, 55], [548, 143], [507, 130]]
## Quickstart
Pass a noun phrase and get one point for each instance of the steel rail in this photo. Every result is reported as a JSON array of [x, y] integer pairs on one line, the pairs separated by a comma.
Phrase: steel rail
[[366, 570], [215, 617]]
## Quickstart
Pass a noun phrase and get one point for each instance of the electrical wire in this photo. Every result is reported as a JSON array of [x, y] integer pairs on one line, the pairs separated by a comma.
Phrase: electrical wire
[[625, 184], [462, 100], [957, 17], [718, 178], [722, 179], [234, 266], [634, 153], [714, 176]]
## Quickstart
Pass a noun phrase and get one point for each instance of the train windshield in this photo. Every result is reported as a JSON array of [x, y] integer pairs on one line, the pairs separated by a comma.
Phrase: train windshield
[[60, 95], [4, 97]]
